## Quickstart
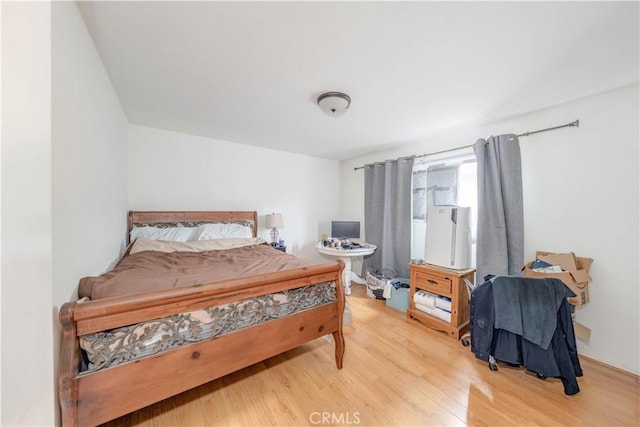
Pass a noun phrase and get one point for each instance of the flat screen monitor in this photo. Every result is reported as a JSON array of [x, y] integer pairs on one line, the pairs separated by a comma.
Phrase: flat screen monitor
[[345, 229]]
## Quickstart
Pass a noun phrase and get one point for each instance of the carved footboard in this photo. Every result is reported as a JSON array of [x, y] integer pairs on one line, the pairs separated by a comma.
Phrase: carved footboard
[[96, 397]]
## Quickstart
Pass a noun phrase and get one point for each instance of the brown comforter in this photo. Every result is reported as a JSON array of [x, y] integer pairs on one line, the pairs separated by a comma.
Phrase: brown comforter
[[152, 271]]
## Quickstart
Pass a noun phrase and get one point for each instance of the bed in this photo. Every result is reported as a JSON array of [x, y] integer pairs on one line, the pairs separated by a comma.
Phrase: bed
[[98, 381]]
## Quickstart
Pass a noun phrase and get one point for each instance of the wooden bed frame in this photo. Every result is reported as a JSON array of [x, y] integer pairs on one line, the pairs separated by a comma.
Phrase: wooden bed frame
[[104, 395]]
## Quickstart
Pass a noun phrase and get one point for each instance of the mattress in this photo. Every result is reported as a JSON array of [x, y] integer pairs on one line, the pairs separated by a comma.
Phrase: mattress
[[159, 265]]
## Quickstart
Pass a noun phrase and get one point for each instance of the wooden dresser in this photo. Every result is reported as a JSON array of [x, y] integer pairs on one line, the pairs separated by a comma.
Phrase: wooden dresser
[[447, 283]]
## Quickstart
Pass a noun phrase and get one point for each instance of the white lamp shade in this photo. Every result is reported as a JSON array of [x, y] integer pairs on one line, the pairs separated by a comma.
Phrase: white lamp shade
[[334, 104], [273, 221]]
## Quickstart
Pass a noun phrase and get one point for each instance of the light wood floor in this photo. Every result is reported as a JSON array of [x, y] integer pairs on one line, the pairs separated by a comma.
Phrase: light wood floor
[[396, 373]]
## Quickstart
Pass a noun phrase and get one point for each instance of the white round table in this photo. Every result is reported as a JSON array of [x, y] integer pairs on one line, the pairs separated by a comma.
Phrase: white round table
[[346, 256]]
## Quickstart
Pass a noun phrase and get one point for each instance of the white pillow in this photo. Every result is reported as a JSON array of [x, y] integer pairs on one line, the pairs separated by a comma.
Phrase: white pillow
[[142, 245], [224, 231], [174, 234]]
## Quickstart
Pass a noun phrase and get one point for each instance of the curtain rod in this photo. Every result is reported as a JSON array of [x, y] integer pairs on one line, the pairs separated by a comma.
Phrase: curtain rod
[[572, 124]]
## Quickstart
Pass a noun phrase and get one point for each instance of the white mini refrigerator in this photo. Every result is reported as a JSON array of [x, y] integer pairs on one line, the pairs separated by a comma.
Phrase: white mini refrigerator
[[448, 237]]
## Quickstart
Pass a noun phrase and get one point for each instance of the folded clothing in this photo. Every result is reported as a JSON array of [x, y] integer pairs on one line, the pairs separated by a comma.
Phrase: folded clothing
[[432, 300], [443, 303], [435, 311], [544, 267], [399, 283], [550, 269], [425, 298], [538, 263], [442, 314], [424, 308]]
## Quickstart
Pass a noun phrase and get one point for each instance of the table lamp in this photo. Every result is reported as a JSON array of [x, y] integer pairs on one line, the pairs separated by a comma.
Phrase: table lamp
[[273, 221]]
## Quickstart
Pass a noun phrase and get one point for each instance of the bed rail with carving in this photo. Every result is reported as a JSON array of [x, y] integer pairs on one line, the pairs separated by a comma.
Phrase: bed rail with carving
[[91, 398]]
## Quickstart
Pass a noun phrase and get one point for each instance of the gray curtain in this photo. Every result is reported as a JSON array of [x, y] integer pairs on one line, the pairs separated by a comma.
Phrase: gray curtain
[[387, 215], [500, 234]]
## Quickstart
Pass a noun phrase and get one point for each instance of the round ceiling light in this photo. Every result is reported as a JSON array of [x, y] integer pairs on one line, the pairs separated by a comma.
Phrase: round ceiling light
[[334, 104]]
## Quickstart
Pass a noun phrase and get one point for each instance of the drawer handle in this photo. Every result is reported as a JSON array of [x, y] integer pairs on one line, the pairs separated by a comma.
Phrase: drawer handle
[[433, 282]]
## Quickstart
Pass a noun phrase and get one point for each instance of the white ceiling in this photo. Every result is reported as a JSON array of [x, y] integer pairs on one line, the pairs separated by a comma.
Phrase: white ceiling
[[250, 72]]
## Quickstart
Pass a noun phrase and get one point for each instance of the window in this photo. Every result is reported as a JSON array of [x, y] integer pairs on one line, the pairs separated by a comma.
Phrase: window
[[419, 194], [439, 180]]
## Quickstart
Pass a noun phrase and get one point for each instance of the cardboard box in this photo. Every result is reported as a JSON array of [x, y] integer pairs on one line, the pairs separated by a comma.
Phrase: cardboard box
[[576, 274], [582, 332]]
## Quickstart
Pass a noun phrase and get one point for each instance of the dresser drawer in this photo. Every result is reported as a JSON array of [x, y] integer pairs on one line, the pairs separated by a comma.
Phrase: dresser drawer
[[435, 284]]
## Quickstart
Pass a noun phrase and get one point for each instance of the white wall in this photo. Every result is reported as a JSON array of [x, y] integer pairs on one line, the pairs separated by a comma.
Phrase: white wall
[[581, 194], [90, 149], [27, 319], [174, 171], [64, 157]]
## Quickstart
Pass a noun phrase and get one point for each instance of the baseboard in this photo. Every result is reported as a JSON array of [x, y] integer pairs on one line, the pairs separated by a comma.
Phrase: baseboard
[[622, 371]]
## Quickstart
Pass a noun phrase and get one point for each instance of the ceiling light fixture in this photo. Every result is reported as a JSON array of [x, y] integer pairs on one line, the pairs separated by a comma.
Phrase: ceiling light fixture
[[334, 104]]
